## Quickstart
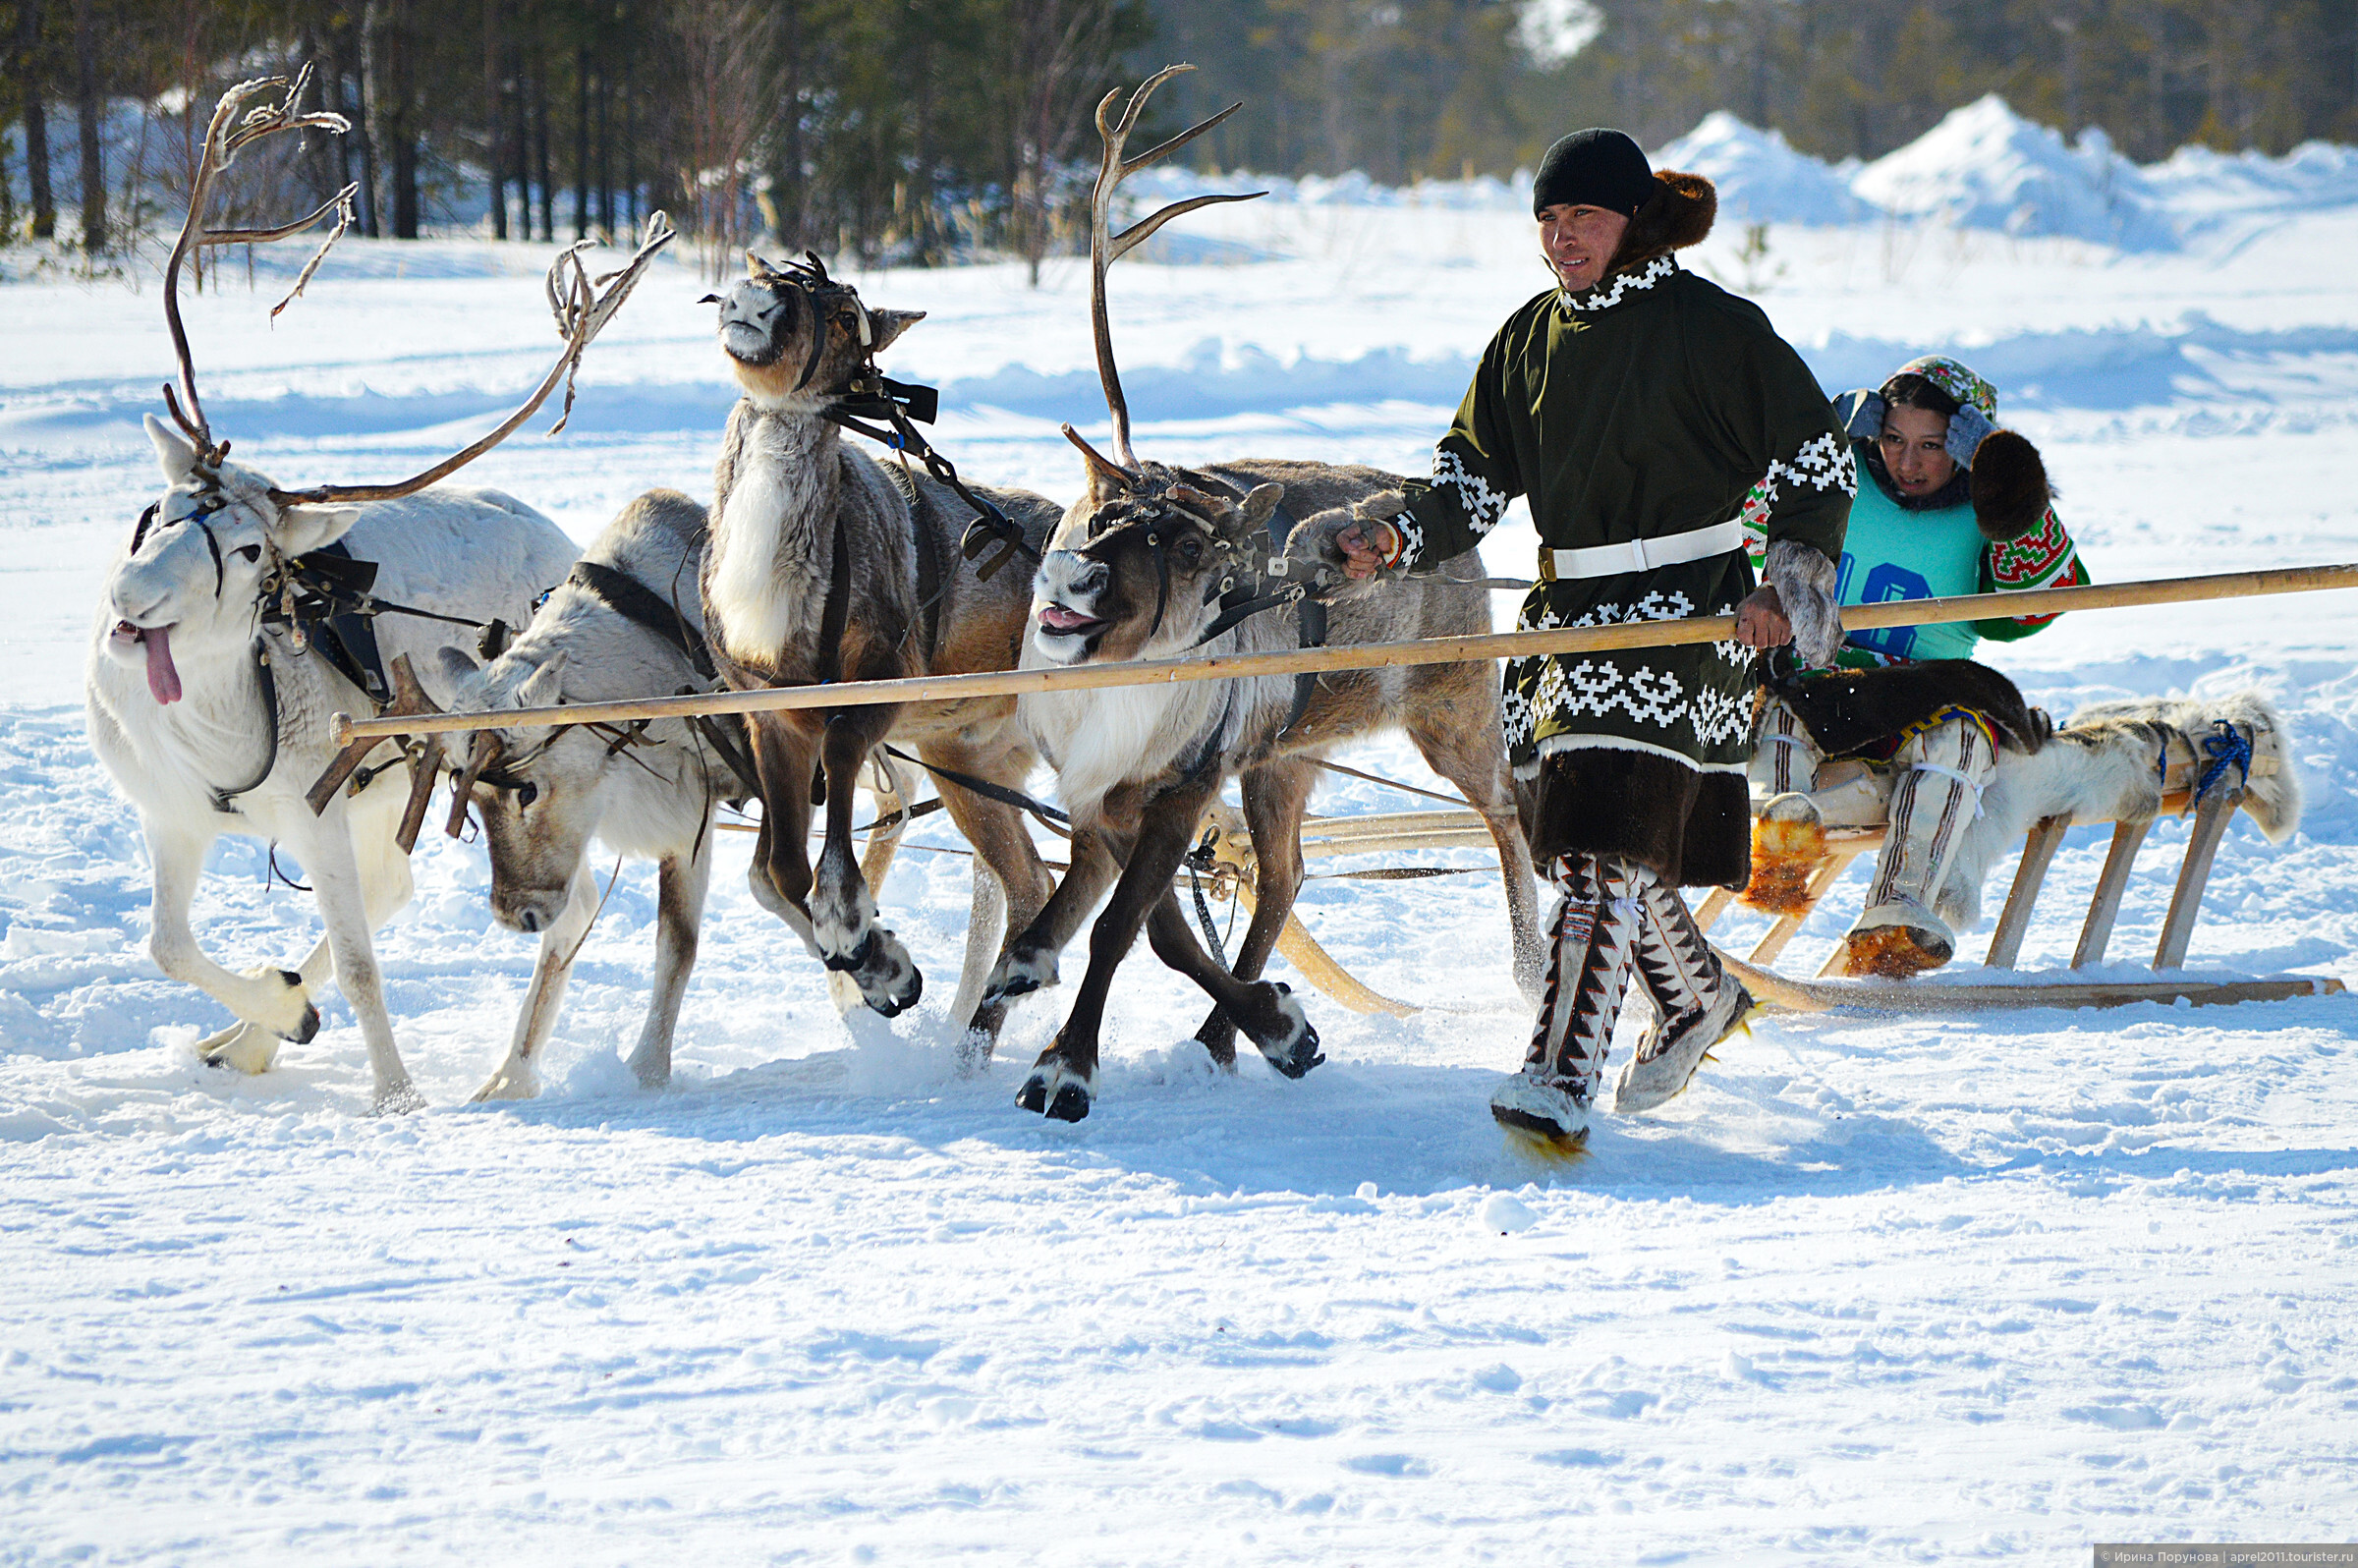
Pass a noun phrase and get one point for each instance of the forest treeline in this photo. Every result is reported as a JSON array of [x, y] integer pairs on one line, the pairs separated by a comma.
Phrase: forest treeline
[[918, 130]]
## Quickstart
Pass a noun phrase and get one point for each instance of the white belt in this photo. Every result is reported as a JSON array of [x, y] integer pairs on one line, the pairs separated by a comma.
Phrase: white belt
[[1639, 555]]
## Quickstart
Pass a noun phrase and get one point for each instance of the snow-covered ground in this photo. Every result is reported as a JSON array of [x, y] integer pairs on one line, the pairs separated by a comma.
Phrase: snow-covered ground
[[1928, 1290]]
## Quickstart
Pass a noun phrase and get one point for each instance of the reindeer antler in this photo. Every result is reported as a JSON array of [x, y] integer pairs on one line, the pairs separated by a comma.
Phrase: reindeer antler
[[1105, 247], [222, 145], [581, 305]]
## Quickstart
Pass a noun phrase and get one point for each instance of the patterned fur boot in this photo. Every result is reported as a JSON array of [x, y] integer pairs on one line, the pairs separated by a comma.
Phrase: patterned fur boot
[[1939, 794], [1696, 1004], [1593, 942], [1796, 795]]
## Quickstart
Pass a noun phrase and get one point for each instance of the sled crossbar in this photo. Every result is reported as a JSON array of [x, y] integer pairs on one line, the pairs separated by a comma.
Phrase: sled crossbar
[[1366, 655]]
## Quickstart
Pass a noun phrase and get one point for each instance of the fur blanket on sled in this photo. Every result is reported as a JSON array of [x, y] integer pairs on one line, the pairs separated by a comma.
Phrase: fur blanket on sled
[[2100, 769]]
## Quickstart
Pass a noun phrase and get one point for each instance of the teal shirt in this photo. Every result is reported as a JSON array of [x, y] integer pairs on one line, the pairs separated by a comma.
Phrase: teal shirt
[[1891, 554]]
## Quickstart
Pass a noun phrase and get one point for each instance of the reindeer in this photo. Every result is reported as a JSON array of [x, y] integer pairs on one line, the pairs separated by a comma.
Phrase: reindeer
[[826, 565], [625, 622], [213, 677], [1139, 570]]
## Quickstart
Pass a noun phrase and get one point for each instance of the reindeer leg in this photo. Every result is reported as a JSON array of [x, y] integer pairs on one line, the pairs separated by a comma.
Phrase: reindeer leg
[[780, 875], [1266, 1010], [843, 913], [1063, 1081], [1008, 875], [1275, 793], [518, 1076], [268, 999], [1477, 764], [326, 850], [681, 885], [1028, 961]]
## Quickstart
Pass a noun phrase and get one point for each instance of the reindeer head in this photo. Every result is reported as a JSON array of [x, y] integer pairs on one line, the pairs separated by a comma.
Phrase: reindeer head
[[539, 793], [203, 557], [1156, 557], [795, 336]]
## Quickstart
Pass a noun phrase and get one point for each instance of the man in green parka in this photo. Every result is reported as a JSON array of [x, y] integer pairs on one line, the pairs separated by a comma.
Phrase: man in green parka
[[1635, 405]]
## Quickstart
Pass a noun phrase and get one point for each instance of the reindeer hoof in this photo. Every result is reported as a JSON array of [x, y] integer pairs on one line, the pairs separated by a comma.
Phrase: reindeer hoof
[[397, 1100], [1056, 1092], [244, 1047], [513, 1081], [888, 978], [1293, 1049], [1020, 975]]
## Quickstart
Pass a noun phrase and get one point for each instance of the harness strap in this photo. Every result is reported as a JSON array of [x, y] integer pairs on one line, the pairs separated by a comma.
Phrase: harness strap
[[839, 612], [225, 801], [732, 752], [987, 789], [878, 396], [642, 606]]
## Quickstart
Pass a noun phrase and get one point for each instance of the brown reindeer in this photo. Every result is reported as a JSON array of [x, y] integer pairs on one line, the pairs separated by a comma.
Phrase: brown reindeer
[[824, 565], [1142, 567]]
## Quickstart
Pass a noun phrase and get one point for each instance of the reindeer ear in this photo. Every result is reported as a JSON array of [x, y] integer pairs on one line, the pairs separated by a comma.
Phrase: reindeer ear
[[545, 685], [458, 665], [301, 530], [174, 450], [887, 326], [1260, 503]]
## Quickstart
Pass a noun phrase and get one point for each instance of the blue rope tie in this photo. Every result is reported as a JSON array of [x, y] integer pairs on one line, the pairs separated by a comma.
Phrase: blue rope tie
[[2226, 747]]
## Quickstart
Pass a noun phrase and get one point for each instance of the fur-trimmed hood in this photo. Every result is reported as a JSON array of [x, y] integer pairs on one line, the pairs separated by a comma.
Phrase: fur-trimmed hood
[[1676, 217]]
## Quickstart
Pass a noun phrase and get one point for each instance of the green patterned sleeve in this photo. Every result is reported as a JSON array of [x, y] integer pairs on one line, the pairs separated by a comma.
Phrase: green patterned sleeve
[[1777, 417], [2043, 557], [1474, 472]]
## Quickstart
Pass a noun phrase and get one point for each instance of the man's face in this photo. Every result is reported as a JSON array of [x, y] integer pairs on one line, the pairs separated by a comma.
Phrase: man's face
[[1579, 242]]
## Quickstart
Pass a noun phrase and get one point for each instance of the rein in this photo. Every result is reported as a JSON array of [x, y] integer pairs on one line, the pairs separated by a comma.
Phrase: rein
[[877, 395]]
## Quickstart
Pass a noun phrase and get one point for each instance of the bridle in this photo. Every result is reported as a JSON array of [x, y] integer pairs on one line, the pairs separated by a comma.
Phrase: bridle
[[870, 396], [1253, 567]]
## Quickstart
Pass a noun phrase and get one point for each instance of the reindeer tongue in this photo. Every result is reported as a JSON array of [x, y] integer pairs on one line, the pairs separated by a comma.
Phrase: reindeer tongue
[[163, 681]]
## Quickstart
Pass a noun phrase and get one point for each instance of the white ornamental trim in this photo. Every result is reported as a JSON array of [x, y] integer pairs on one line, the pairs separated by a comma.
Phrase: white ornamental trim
[[1824, 463], [1649, 696], [1608, 295], [1484, 505]]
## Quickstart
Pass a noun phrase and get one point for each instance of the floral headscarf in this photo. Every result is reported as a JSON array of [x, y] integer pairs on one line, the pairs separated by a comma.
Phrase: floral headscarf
[[1969, 389]]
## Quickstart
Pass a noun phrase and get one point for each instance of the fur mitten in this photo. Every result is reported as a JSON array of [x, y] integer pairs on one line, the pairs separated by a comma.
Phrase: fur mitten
[[2010, 491], [1313, 556], [1804, 580]]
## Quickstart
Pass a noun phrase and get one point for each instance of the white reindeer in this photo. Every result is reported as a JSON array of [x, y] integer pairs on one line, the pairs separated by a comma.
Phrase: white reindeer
[[209, 694], [626, 623]]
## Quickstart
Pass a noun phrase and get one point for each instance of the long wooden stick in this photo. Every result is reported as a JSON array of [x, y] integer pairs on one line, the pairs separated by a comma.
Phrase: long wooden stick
[[1372, 656]]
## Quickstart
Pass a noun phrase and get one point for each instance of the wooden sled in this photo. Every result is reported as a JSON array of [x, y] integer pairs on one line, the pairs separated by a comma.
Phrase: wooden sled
[[1233, 866], [2212, 813]]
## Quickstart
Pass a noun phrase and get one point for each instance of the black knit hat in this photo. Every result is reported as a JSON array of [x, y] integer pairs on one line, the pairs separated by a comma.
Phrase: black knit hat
[[1593, 168]]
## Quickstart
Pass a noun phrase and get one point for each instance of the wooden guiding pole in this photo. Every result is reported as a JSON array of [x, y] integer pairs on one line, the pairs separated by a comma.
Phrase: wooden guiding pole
[[1366, 655]]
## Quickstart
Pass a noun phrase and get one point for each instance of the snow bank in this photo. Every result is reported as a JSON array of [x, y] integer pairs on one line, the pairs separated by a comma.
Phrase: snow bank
[[1761, 177], [2202, 181], [1986, 167]]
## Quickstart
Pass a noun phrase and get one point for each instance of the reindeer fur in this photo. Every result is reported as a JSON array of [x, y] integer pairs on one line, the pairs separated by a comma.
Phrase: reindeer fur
[[1850, 713], [2009, 487], [1136, 765], [457, 551], [651, 799], [2100, 769], [787, 489]]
